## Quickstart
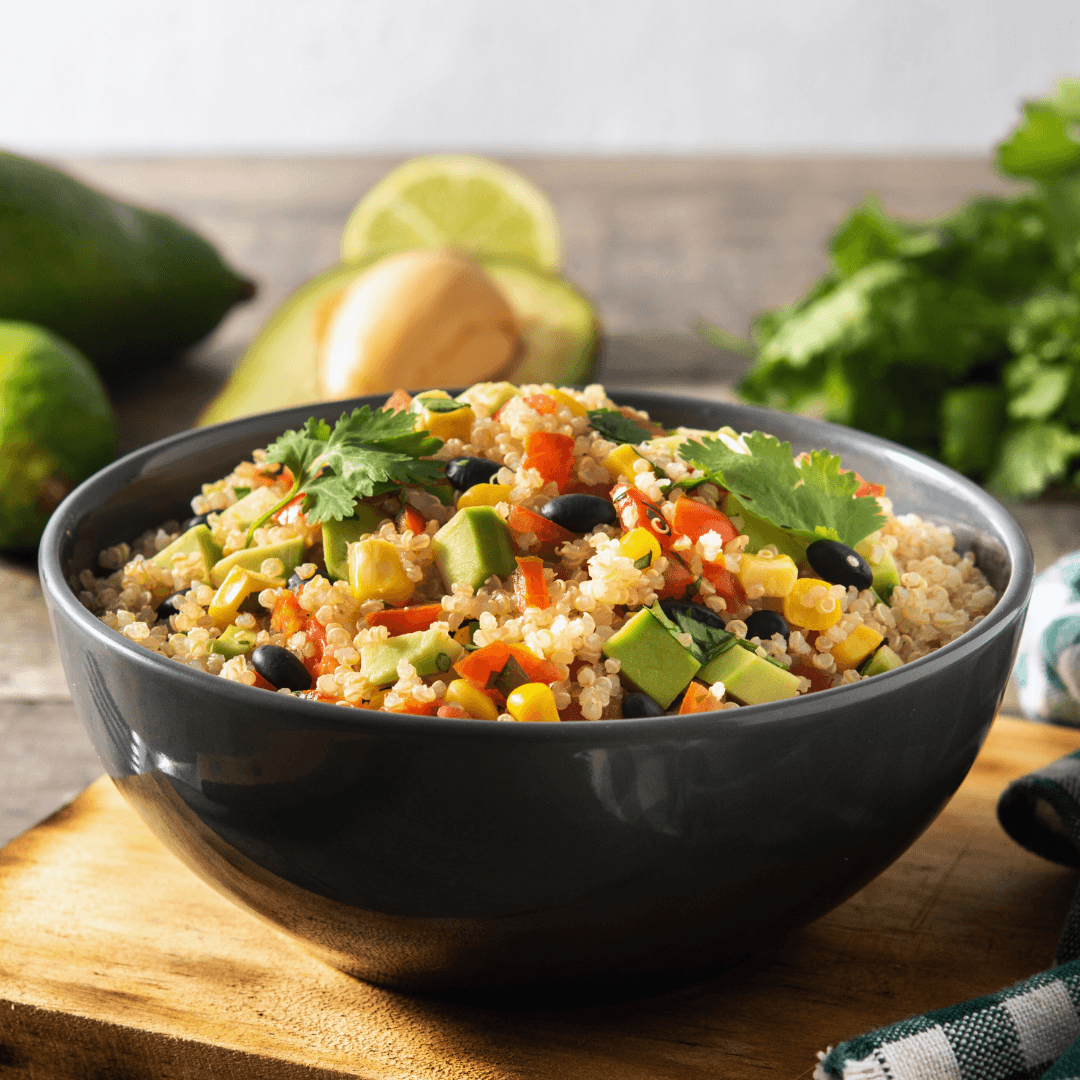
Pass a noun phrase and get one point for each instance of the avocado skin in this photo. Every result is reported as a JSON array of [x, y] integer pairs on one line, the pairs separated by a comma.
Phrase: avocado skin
[[126, 286]]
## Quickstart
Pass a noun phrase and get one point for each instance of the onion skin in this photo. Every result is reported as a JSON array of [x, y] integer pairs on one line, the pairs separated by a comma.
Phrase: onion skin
[[418, 319]]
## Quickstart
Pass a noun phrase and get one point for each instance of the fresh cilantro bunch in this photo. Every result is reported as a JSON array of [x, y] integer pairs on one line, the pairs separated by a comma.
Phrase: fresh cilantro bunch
[[960, 336], [811, 499], [367, 453]]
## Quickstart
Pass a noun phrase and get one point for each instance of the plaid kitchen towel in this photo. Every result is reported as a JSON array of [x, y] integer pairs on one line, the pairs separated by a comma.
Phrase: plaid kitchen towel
[[1030, 1031]]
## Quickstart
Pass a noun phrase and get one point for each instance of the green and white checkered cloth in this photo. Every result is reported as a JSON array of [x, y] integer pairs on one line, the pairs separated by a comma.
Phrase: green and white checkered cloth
[[1030, 1031]]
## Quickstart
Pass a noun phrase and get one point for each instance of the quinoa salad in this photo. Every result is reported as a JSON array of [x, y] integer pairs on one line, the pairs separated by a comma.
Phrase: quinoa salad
[[537, 553]]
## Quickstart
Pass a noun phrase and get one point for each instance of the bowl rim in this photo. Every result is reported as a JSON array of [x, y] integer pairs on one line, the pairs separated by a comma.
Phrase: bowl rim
[[317, 715]]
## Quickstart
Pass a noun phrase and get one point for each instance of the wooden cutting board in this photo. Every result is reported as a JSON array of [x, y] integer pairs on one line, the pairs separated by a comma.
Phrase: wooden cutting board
[[116, 962]]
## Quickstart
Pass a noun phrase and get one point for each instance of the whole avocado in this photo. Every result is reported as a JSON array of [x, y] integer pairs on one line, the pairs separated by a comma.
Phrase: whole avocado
[[56, 428], [126, 286]]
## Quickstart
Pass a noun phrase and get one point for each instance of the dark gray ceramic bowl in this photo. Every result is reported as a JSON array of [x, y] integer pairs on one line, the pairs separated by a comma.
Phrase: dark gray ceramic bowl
[[433, 854]]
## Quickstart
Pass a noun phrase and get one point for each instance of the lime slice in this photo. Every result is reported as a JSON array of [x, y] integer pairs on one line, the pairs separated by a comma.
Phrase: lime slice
[[559, 331], [469, 203]]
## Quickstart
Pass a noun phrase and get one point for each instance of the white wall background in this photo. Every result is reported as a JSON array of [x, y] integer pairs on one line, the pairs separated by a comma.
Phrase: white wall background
[[608, 76]]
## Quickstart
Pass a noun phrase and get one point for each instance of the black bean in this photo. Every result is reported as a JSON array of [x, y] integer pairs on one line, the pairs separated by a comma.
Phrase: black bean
[[464, 472], [580, 513], [295, 581], [763, 624], [280, 668], [839, 564], [638, 706], [694, 611], [198, 519], [171, 605]]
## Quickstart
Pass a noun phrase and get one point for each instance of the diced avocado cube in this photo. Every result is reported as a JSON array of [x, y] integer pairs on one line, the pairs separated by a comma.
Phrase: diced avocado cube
[[474, 544], [234, 642], [748, 678], [429, 651], [246, 510], [763, 532], [195, 540], [651, 658], [338, 535], [290, 552], [886, 576], [883, 660]]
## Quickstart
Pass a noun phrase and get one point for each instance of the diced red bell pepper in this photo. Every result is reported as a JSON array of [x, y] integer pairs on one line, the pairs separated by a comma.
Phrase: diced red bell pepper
[[399, 401], [288, 617], [452, 712], [292, 513], [677, 578], [865, 488], [479, 666], [318, 663], [525, 521], [697, 699], [406, 620], [411, 518], [550, 454], [637, 512], [415, 708], [819, 680], [544, 404], [530, 586], [695, 519], [727, 586]]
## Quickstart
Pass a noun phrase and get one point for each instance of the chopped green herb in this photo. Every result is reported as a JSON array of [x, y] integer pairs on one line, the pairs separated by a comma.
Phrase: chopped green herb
[[240, 492], [616, 428], [439, 405], [708, 641], [644, 562], [812, 500], [367, 453]]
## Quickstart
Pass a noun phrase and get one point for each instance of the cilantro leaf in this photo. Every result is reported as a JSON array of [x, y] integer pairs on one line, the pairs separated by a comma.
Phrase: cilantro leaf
[[812, 501], [708, 641], [616, 428], [366, 453]]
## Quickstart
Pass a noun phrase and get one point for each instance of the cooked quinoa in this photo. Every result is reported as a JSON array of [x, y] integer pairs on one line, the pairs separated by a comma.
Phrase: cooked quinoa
[[591, 584]]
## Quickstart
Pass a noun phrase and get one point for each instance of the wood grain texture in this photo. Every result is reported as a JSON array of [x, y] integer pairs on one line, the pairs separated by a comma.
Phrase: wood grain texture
[[116, 962]]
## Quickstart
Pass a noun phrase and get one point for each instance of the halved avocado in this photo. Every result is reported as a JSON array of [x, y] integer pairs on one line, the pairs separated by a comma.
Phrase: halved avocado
[[560, 331]]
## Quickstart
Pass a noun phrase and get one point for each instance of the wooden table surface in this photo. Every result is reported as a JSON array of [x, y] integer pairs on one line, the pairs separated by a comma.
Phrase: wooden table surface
[[657, 243], [116, 961]]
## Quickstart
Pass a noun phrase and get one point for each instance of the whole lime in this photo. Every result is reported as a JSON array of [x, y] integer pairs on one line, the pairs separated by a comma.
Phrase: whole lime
[[56, 428]]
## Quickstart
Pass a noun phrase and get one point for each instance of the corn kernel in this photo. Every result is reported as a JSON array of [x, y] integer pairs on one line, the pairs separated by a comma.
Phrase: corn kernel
[[620, 461], [485, 495], [456, 424], [238, 585], [776, 573], [376, 573], [572, 404], [639, 543], [533, 701], [474, 702], [810, 609], [856, 647]]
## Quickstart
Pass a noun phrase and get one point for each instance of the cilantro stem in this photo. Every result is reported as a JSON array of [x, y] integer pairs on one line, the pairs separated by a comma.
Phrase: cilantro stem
[[259, 521]]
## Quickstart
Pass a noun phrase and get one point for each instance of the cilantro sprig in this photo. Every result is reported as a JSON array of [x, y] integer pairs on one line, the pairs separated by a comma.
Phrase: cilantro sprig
[[367, 453], [812, 500], [617, 428]]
